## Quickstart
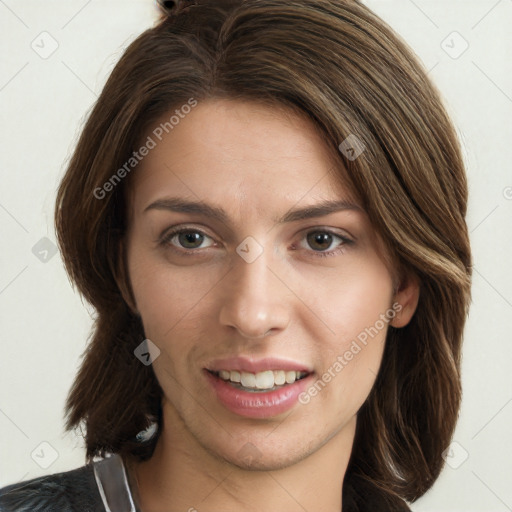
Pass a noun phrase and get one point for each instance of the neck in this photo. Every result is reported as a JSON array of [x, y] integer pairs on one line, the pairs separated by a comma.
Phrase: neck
[[182, 475]]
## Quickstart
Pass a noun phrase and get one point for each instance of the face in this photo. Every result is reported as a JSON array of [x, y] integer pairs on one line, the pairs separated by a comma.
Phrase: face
[[270, 314]]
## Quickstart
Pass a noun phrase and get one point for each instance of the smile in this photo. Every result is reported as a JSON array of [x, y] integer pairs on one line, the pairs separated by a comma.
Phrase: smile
[[268, 380], [258, 395]]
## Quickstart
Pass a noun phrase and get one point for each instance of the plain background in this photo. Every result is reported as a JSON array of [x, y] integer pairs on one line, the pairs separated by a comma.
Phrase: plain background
[[56, 56]]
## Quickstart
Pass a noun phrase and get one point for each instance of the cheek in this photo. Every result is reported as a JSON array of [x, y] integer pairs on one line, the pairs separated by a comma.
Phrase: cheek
[[167, 295], [356, 306], [173, 304], [352, 299], [352, 377]]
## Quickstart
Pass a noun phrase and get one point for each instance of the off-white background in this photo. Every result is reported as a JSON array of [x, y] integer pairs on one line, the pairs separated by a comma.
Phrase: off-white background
[[44, 325]]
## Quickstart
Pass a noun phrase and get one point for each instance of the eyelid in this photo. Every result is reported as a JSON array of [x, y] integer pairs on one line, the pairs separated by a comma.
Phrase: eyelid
[[342, 233]]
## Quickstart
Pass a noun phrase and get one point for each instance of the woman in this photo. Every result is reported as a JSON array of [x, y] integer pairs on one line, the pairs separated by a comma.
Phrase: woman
[[267, 208]]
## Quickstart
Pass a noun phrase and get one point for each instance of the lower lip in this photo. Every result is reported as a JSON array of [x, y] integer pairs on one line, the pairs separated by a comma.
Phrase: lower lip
[[260, 404]]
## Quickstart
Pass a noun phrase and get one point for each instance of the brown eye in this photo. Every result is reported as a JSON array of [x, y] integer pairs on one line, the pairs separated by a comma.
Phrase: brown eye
[[325, 242], [319, 240], [186, 239], [189, 239]]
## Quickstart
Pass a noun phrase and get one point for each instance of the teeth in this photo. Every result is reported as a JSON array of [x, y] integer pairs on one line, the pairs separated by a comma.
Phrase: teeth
[[290, 377], [262, 380], [279, 378], [265, 380], [248, 380]]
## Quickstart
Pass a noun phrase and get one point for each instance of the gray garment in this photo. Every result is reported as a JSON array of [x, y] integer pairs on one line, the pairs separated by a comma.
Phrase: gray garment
[[101, 486]]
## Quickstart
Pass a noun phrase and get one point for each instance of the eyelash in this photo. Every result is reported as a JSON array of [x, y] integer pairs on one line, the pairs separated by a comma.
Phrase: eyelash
[[167, 237]]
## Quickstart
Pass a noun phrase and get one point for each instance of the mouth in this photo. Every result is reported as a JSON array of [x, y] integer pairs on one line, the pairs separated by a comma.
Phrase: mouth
[[260, 382], [259, 395]]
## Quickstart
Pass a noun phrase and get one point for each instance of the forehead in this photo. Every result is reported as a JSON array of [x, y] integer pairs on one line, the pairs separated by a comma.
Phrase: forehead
[[226, 148]]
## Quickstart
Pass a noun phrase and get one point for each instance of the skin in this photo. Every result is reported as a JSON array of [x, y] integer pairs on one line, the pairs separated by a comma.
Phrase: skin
[[257, 163]]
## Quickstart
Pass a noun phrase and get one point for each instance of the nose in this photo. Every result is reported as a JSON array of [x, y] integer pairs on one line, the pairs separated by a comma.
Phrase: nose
[[256, 302]]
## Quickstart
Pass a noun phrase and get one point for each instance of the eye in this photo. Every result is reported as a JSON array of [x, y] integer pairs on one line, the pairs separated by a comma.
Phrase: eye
[[185, 238], [322, 239]]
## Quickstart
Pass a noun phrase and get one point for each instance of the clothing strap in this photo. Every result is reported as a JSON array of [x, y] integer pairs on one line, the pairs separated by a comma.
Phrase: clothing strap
[[113, 485]]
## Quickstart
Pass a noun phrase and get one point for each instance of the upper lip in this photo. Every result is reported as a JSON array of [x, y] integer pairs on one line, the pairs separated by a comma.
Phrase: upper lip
[[251, 365]]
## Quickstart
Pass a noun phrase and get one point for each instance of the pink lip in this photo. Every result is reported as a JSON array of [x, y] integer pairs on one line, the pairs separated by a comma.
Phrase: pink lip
[[245, 364], [257, 405]]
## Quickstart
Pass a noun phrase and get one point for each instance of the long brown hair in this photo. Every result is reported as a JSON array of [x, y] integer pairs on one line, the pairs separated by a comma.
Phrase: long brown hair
[[339, 64]]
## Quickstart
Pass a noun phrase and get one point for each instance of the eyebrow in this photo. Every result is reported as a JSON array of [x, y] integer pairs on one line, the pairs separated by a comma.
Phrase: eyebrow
[[320, 209]]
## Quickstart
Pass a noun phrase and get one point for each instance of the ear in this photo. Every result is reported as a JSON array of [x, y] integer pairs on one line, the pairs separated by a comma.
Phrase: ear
[[123, 279], [407, 295]]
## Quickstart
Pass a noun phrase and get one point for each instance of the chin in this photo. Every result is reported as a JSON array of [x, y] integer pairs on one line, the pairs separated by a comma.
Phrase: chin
[[263, 455], [270, 462]]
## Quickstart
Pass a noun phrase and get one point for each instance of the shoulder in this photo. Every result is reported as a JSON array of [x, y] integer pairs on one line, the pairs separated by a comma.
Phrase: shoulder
[[69, 491]]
